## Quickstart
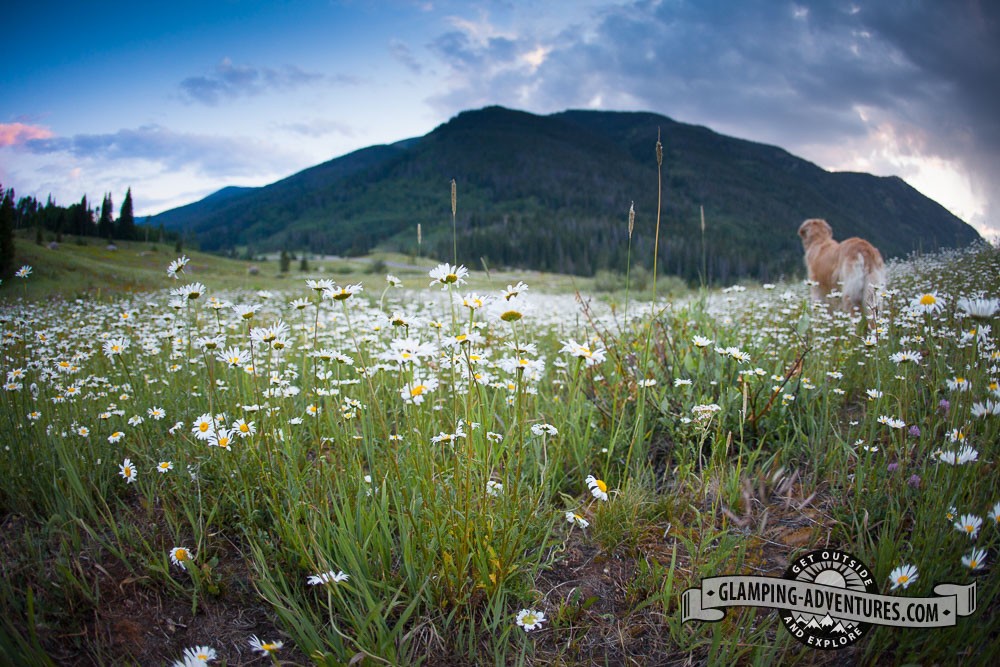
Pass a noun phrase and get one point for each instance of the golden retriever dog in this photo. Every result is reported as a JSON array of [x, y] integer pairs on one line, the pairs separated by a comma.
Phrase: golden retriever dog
[[854, 266]]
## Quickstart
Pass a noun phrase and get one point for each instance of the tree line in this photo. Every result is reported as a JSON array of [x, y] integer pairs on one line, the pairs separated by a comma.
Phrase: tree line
[[80, 219]]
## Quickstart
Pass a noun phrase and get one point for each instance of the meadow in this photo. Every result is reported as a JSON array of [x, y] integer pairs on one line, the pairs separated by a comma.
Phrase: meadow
[[446, 467]]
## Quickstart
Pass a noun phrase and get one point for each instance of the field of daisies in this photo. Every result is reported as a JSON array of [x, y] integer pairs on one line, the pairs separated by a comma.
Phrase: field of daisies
[[414, 472]]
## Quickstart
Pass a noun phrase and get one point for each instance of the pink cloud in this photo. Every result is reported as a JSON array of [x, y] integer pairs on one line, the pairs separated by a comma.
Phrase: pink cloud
[[15, 134]]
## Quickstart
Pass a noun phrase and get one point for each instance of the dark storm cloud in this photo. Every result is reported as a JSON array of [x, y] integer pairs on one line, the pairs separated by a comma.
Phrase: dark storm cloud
[[794, 74], [230, 81], [175, 151], [957, 46]]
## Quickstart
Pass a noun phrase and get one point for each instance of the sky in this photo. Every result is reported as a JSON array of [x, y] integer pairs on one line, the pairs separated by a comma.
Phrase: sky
[[177, 100]]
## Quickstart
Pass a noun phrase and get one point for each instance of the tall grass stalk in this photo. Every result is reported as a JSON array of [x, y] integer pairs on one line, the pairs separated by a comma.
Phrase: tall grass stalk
[[628, 256], [704, 255], [454, 222]]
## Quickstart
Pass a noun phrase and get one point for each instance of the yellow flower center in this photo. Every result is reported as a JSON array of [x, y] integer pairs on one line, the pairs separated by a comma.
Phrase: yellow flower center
[[928, 300], [601, 485], [419, 389], [969, 528], [451, 278], [244, 428], [203, 427], [181, 554], [902, 579]]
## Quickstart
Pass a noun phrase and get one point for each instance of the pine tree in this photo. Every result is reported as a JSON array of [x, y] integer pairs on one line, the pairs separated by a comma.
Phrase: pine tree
[[286, 261], [105, 225], [126, 220], [81, 220], [7, 257]]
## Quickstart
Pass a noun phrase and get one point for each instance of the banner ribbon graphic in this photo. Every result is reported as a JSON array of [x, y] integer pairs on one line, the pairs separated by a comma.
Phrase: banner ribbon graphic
[[708, 602]]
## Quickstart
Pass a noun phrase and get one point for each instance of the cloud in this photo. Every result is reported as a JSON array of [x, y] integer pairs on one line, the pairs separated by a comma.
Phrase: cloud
[[473, 45], [16, 134], [231, 81], [831, 79], [164, 168], [319, 127], [205, 154], [401, 52]]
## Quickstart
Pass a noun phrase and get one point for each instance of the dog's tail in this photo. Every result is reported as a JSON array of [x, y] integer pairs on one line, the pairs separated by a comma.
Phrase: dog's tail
[[873, 290], [862, 283]]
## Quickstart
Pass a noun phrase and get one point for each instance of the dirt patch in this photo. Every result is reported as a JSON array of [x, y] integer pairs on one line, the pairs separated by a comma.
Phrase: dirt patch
[[119, 616]]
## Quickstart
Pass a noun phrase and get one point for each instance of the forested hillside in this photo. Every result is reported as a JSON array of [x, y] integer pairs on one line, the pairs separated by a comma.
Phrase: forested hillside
[[553, 193]]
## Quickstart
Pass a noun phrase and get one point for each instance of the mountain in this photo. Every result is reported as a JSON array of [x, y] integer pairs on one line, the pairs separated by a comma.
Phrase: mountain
[[553, 193]]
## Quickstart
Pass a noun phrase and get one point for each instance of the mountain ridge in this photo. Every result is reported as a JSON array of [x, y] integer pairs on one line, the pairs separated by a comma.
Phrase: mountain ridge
[[552, 192]]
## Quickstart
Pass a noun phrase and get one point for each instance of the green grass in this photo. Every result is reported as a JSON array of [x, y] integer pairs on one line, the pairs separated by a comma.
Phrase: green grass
[[376, 450], [87, 268]]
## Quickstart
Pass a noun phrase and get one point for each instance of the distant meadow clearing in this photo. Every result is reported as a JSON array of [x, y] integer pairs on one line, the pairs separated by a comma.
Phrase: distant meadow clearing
[[380, 470]]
